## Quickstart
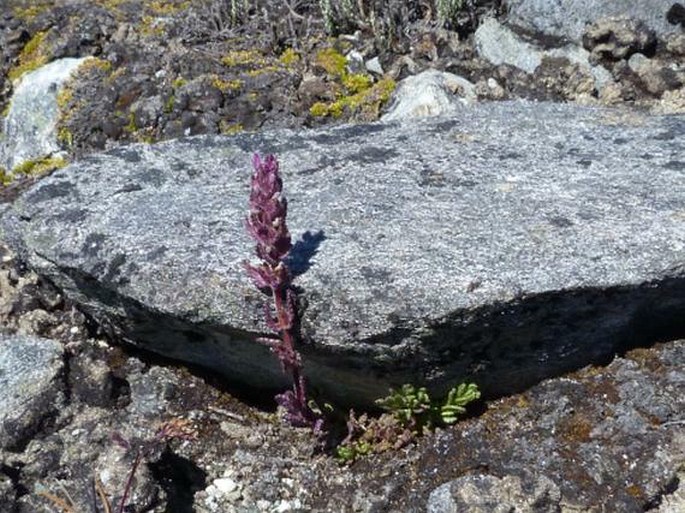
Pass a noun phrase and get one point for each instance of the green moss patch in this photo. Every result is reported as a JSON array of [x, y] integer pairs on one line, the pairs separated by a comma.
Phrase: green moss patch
[[364, 103], [35, 167], [32, 56]]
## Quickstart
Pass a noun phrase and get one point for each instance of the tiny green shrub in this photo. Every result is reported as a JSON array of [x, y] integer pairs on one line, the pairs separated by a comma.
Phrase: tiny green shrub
[[410, 413]]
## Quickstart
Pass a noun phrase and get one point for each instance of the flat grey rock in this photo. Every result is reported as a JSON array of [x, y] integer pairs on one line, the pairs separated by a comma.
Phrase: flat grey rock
[[30, 372], [505, 244], [568, 18], [29, 130]]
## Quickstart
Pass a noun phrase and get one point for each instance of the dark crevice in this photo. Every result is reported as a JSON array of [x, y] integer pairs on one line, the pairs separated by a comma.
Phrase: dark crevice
[[14, 475], [180, 478]]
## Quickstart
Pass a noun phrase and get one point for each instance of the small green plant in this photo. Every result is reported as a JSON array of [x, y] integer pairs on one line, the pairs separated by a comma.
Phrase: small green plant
[[410, 413], [447, 10], [414, 408]]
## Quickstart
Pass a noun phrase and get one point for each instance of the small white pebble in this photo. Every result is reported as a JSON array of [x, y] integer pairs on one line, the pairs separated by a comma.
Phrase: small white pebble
[[225, 485], [74, 330], [284, 506]]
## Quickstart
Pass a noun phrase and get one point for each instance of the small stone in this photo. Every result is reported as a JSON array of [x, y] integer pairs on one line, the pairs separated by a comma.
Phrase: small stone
[[374, 66], [225, 485], [355, 62]]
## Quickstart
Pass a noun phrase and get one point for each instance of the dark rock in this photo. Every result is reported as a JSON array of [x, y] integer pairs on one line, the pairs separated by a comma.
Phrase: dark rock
[[654, 75], [91, 381], [30, 378], [614, 39], [571, 262]]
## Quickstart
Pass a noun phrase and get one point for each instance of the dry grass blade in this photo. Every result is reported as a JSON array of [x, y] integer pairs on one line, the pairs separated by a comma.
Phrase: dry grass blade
[[58, 501], [102, 494]]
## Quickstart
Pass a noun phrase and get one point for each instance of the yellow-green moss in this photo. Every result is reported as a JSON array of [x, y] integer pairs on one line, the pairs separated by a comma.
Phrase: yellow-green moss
[[226, 85], [259, 71], [95, 63], [32, 56], [366, 102], [357, 82], [179, 82], [37, 167], [5, 112], [110, 4], [169, 104], [319, 109], [230, 128], [27, 14], [65, 137], [151, 26], [5, 178], [145, 135], [131, 126], [64, 97], [289, 57], [167, 8], [332, 61], [243, 58]]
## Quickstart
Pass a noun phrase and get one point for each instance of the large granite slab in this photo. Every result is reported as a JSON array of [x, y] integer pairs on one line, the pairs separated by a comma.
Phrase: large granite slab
[[507, 243]]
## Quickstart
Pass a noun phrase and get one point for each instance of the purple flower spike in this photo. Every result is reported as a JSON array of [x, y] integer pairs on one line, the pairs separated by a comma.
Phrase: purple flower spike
[[266, 225]]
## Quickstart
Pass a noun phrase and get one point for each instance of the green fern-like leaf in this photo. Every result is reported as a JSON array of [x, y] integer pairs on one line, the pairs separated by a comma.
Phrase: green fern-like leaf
[[457, 399], [406, 404]]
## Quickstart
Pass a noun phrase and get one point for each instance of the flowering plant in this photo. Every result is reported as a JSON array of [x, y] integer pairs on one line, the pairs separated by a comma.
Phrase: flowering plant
[[267, 226]]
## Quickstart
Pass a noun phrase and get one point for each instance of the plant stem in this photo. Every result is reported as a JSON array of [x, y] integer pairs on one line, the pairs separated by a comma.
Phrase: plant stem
[[129, 482], [289, 342]]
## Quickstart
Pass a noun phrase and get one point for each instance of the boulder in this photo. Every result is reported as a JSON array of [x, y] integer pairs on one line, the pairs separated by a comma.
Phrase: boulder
[[568, 19], [430, 93], [498, 44], [507, 243], [29, 131], [31, 370]]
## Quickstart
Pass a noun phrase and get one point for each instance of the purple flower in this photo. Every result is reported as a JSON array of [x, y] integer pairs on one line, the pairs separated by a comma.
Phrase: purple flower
[[266, 225]]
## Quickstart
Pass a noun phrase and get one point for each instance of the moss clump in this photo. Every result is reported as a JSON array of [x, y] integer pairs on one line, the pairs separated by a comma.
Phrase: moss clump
[[151, 26], [131, 127], [366, 102], [64, 98], [5, 178], [179, 82], [5, 111], [27, 14], [357, 94], [169, 104], [357, 82], [251, 58], [32, 56], [289, 57], [65, 137], [230, 128], [261, 71], [38, 167], [332, 61], [226, 85], [97, 64], [167, 8]]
